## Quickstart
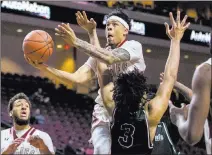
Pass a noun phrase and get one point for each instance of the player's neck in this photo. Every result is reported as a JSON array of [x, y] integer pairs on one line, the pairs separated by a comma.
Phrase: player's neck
[[21, 127], [123, 40]]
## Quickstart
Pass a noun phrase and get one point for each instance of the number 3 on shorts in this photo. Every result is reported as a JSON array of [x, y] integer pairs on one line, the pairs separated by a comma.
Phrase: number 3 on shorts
[[127, 139]]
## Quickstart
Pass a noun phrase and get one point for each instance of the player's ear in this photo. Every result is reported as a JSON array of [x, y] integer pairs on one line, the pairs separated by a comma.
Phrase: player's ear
[[11, 113], [126, 31]]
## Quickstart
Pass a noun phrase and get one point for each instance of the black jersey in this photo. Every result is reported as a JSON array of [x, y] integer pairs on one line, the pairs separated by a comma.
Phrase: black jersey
[[162, 141], [130, 133]]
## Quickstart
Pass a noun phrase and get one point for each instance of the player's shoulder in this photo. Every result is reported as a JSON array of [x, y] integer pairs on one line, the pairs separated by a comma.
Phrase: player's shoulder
[[41, 133], [204, 67], [133, 42]]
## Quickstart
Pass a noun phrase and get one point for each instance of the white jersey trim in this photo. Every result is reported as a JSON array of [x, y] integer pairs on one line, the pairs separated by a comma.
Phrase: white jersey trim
[[150, 145]]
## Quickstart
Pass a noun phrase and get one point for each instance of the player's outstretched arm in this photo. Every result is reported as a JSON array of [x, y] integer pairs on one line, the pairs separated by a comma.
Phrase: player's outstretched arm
[[89, 26], [106, 86], [83, 74], [184, 90], [159, 104], [103, 55], [191, 128]]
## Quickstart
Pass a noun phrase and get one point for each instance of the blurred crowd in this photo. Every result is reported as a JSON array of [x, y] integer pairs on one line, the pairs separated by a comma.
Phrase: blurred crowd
[[200, 13]]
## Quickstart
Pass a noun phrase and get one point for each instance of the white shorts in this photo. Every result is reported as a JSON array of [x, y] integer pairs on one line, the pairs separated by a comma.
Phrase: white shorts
[[100, 117]]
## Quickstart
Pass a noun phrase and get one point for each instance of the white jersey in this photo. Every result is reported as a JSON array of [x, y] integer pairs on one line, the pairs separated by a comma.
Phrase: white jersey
[[208, 61], [8, 136], [208, 127], [136, 61]]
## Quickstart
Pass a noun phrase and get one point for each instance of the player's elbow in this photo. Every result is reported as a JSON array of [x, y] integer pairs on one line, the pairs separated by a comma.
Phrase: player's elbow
[[193, 137], [109, 60], [170, 76]]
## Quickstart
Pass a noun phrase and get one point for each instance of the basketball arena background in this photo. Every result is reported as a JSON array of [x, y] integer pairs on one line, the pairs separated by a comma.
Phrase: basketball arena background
[[68, 110]]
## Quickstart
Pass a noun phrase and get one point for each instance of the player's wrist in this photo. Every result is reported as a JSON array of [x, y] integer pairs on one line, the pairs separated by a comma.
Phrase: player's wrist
[[176, 40], [91, 31]]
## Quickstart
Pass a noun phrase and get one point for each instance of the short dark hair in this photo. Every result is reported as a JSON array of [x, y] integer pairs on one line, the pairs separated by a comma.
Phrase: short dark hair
[[16, 97], [129, 89], [120, 13]]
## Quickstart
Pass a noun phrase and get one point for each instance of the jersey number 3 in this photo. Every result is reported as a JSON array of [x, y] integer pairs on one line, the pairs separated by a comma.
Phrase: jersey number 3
[[126, 140]]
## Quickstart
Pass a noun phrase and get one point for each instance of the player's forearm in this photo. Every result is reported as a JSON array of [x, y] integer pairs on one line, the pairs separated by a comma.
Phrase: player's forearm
[[8, 150], [185, 91], [172, 63], [94, 38], [100, 54], [191, 128], [62, 76]]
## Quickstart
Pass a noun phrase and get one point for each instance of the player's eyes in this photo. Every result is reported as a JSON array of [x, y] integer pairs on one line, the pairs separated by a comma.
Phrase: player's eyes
[[17, 105]]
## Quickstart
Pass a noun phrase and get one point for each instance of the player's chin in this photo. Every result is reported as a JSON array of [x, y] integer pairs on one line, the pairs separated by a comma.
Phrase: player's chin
[[22, 120]]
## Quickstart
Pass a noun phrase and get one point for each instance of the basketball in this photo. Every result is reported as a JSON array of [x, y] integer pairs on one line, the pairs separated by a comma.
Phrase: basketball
[[38, 46]]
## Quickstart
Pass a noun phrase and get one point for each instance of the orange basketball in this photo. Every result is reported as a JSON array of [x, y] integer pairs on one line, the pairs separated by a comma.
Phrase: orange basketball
[[38, 46]]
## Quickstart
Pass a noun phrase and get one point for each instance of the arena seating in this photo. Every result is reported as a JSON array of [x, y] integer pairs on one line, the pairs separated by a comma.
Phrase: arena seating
[[195, 15], [67, 114]]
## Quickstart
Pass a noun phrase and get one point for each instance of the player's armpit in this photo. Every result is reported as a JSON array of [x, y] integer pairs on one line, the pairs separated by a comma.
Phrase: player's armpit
[[159, 104], [84, 74]]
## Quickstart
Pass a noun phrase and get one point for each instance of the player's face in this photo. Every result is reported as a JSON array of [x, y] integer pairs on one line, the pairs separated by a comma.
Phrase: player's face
[[115, 32], [21, 110]]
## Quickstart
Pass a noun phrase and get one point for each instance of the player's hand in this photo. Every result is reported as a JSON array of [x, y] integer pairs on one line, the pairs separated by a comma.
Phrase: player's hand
[[82, 20], [178, 115], [35, 63], [37, 142], [66, 33], [178, 28], [13, 147]]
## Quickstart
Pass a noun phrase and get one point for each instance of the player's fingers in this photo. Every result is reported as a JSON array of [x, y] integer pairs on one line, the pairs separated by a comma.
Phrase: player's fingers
[[60, 35], [178, 18], [79, 22], [167, 30], [27, 59], [167, 27], [63, 28], [80, 15], [20, 139], [186, 26], [92, 21], [184, 20], [58, 31], [77, 15], [172, 19], [67, 27], [85, 16]]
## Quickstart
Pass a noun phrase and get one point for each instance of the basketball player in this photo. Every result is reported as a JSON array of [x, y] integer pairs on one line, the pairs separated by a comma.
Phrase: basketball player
[[194, 119], [135, 115], [22, 138], [124, 55]]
